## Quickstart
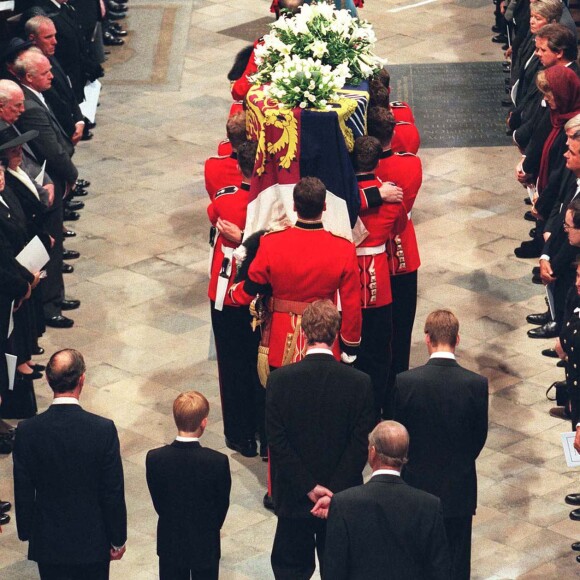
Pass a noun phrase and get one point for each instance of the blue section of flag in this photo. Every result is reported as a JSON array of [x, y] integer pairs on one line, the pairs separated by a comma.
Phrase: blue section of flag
[[357, 121], [323, 154]]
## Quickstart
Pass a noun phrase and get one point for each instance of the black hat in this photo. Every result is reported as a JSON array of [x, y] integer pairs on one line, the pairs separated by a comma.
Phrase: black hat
[[11, 49], [9, 137]]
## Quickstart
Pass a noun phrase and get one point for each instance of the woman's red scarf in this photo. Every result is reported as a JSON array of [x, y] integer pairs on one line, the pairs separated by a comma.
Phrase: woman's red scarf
[[565, 86]]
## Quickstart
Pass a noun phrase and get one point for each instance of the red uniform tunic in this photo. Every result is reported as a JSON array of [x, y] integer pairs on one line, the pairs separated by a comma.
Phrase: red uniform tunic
[[229, 203], [241, 87], [221, 172], [404, 170], [381, 222], [406, 138], [402, 112], [304, 263], [224, 148]]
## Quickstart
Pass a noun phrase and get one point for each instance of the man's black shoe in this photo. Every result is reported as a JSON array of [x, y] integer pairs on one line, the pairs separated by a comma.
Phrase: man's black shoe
[[506, 102], [532, 232], [495, 28], [268, 503], [79, 192], [59, 322], [116, 15], [575, 515], [550, 353], [539, 319], [529, 216], [499, 39], [536, 279], [87, 136], [528, 250], [70, 304], [117, 31], [562, 365], [38, 350], [576, 547], [71, 216], [527, 201], [117, 6], [69, 233], [264, 452], [246, 448], [74, 204], [4, 519], [70, 255], [5, 506], [67, 268], [83, 183], [549, 330], [573, 499], [536, 271], [110, 39]]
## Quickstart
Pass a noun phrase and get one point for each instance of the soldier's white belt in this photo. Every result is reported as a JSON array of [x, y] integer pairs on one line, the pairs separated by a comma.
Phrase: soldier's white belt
[[224, 277], [371, 250]]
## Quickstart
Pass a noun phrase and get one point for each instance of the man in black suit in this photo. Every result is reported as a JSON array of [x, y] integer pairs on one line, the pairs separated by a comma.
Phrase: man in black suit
[[386, 526], [444, 408], [68, 482], [318, 416], [54, 146], [190, 488], [60, 97]]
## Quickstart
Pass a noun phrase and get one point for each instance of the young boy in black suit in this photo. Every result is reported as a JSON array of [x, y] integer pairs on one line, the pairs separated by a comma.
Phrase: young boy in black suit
[[190, 488]]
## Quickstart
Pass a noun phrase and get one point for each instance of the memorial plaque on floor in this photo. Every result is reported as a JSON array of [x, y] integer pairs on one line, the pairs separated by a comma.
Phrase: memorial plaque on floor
[[455, 104]]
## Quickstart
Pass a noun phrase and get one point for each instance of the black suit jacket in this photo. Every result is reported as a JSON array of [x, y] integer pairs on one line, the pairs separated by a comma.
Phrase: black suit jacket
[[14, 280], [190, 488], [68, 486], [52, 145], [319, 413], [444, 408], [62, 100], [385, 529]]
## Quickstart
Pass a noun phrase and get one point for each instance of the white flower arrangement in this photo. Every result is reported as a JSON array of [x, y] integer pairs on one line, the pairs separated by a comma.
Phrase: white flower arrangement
[[306, 83], [319, 44]]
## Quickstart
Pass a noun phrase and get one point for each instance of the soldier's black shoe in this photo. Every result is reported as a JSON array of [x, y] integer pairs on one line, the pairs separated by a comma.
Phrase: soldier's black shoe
[[247, 448], [268, 503]]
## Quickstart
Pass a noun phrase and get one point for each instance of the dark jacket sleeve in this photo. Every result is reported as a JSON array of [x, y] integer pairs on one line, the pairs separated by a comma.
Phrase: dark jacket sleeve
[[336, 553], [438, 563], [153, 482], [481, 422], [354, 457], [223, 488], [112, 491], [47, 145], [24, 490]]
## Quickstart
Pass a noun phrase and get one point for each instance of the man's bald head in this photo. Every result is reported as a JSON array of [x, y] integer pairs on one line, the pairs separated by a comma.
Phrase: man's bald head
[[388, 446], [65, 370], [11, 101], [33, 70]]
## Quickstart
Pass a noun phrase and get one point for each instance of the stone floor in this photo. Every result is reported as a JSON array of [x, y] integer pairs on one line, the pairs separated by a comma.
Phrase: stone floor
[[144, 321]]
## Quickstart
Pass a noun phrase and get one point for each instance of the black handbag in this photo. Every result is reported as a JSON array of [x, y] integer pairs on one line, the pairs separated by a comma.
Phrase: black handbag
[[561, 393]]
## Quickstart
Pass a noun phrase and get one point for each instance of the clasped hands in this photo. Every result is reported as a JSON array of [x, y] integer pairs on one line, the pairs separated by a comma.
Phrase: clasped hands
[[320, 496]]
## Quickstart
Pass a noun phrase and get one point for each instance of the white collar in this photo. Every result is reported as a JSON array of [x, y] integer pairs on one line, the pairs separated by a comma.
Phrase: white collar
[[386, 472], [66, 401], [186, 439], [443, 354], [39, 95], [319, 350]]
